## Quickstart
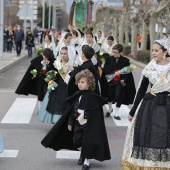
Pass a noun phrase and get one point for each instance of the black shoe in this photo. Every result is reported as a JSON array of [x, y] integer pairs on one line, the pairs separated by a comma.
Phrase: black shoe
[[108, 113], [85, 167], [117, 118], [81, 161]]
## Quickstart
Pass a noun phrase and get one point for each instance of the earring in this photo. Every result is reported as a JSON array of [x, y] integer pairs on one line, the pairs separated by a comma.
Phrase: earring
[[164, 56]]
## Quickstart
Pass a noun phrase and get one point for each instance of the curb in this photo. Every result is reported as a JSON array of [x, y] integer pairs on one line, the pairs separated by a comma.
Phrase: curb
[[12, 64], [142, 65]]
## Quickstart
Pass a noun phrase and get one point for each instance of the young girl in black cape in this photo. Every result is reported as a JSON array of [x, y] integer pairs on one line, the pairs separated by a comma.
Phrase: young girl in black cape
[[82, 124], [36, 85]]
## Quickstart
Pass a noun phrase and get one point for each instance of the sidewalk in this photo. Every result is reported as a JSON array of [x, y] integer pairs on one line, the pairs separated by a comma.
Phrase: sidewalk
[[10, 59]]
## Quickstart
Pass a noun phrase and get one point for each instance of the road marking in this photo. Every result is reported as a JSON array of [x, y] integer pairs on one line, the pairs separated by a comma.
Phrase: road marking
[[9, 153], [21, 111], [123, 113], [7, 91], [68, 154]]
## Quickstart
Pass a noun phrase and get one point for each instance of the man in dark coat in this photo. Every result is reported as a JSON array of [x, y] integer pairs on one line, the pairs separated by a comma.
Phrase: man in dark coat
[[95, 142], [87, 54], [18, 38], [121, 89]]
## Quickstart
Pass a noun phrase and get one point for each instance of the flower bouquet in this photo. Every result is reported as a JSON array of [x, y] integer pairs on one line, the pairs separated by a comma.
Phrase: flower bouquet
[[124, 70]]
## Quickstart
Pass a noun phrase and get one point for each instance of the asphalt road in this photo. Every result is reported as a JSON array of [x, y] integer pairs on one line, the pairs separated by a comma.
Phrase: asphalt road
[[22, 140]]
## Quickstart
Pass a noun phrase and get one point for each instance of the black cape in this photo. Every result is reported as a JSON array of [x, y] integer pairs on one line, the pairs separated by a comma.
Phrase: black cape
[[95, 142], [72, 87], [36, 86], [109, 68]]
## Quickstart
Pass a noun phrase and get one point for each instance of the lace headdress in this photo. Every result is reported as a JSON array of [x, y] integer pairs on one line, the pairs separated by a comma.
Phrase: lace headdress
[[165, 43]]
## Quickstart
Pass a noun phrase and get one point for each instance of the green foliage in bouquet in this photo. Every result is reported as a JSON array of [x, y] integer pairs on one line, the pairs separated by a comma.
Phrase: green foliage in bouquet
[[39, 51]]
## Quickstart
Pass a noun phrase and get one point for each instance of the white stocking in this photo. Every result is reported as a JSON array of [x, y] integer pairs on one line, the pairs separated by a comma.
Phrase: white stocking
[[87, 162], [116, 111], [110, 106], [39, 105]]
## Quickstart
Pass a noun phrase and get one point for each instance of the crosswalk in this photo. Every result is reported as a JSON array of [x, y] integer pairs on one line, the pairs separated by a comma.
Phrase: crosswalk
[[9, 153], [21, 112], [123, 113]]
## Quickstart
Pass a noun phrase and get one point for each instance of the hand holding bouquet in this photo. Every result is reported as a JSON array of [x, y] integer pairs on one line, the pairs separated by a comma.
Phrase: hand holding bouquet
[[34, 73], [124, 70]]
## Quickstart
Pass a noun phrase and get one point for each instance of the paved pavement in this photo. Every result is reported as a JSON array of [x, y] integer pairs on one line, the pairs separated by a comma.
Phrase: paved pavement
[[10, 59]]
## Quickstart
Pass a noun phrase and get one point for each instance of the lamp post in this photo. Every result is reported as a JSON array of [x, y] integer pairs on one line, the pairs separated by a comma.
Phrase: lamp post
[[49, 15], [32, 20], [43, 15], [1, 28]]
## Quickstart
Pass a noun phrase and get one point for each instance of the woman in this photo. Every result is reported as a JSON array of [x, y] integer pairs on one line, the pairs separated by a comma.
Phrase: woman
[[9, 41], [147, 143], [54, 103], [35, 84], [29, 43], [108, 44], [90, 41], [76, 40], [100, 37], [48, 43], [65, 40]]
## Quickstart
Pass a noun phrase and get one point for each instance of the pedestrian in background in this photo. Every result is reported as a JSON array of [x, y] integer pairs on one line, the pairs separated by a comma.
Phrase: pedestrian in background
[[6, 34], [18, 38], [29, 43], [9, 41]]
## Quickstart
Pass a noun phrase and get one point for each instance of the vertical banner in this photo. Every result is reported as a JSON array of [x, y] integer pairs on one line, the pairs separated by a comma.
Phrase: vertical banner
[[81, 14]]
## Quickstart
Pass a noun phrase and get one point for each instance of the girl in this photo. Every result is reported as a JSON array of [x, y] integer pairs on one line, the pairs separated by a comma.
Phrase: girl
[[49, 43], [37, 86], [90, 41], [82, 124], [54, 102], [147, 142]]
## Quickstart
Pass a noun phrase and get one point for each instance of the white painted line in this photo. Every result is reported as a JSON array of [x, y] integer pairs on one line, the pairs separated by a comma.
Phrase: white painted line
[[21, 111], [68, 154], [9, 153], [123, 113], [7, 91]]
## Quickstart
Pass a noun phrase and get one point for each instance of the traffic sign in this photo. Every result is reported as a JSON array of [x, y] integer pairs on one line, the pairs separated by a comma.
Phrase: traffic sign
[[25, 11]]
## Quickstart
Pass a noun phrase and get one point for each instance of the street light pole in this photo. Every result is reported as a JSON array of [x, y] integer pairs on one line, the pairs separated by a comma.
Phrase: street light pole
[[43, 17], [1, 28], [54, 14], [49, 18], [32, 20]]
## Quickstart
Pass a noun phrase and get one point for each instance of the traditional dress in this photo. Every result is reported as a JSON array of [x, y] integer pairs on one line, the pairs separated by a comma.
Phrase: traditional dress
[[95, 142], [101, 39], [147, 145], [1, 144], [36, 86], [54, 103], [96, 48], [105, 50]]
